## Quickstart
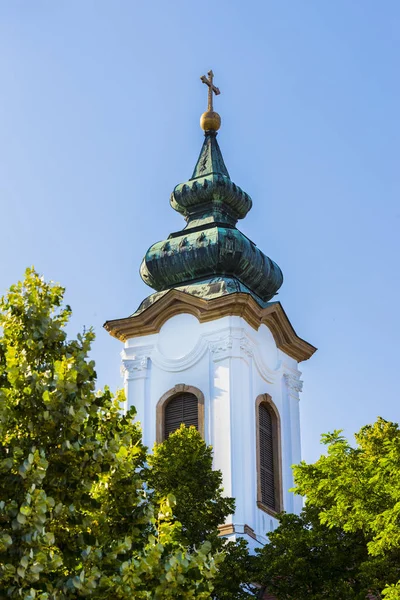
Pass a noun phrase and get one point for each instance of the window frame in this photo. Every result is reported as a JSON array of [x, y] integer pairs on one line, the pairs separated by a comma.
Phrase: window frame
[[165, 398], [266, 400]]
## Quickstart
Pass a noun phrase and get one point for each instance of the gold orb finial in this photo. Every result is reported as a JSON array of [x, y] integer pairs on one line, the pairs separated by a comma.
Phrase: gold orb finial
[[210, 120]]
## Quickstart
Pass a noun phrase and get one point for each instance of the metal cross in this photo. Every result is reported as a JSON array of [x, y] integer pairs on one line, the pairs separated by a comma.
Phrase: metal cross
[[211, 88]]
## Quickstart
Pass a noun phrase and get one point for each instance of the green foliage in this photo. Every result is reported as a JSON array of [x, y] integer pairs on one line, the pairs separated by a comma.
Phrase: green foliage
[[307, 560], [348, 537], [236, 575], [359, 488], [182, 466], [75, 518]]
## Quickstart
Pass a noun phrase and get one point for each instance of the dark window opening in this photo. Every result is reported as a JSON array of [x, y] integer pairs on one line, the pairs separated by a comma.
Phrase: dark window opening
[[266, 449], [182, 408]]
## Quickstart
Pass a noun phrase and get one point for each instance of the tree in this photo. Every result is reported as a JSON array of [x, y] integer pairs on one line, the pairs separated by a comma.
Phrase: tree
[[358, 490], [75, 517], [306, 560], [346, 543], [236, 576], [182, 466]]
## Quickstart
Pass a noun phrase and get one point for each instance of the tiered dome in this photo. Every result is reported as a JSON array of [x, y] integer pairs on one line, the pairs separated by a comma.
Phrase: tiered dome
[[210, 195], [210, 256]]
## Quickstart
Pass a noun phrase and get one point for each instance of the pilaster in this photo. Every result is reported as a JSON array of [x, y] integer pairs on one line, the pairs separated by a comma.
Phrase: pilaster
[[294, 386], [134, 369], [233, 416], [220, 407]]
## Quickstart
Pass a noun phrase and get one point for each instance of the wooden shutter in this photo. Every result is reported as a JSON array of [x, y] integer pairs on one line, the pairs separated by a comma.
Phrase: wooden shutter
[[267, 475], [182, 408]]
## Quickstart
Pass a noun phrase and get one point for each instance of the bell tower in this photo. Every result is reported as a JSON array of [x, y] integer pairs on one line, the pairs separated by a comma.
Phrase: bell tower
[[211, 348]]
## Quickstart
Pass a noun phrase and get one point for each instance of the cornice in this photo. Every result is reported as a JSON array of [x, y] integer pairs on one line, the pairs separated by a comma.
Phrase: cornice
[[175, 302]]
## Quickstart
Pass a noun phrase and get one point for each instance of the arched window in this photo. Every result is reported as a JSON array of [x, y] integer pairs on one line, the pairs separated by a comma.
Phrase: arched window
[[269, 488], [181, 408], [181, 404]]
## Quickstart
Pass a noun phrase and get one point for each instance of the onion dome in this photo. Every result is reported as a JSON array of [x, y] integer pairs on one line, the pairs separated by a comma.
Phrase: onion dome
[[210, 256], [210, 195]]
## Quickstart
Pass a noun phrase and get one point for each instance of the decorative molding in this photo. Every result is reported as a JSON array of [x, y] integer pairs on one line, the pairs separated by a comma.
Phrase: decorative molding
[[182, 363], [222, 342], [222, 348], [230, 528], [175, 302], [250, 531], [294, 384], [264, 370], [226, 529], [246, 346], [134, 366], [250, 347]]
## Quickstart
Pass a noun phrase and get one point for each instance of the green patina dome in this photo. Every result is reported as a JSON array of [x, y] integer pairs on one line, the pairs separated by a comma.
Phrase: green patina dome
[[210, 194], [210, 256]]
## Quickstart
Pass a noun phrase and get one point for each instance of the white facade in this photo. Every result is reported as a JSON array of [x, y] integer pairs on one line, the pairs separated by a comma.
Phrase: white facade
[[232, 364]]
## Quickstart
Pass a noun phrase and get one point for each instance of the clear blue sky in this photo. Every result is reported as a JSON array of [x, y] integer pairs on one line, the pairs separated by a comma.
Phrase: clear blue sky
[[99, 111]]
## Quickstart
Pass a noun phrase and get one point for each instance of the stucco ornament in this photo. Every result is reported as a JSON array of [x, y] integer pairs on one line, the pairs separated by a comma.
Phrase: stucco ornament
[[221, 348], [133, 366], [246, 346], [294, 383]]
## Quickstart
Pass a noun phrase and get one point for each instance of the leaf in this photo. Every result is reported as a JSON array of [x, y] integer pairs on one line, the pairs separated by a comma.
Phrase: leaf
[[24, 561], [122, 453], [49, 536], [37, 568], [77, 583], [21, 518]]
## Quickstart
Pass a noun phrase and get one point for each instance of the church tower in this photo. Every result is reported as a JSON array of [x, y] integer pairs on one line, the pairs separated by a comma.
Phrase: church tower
[[211, 348]]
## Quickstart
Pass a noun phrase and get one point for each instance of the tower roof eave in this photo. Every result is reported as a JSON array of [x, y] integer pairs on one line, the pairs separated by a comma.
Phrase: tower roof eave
[[175, 302]]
